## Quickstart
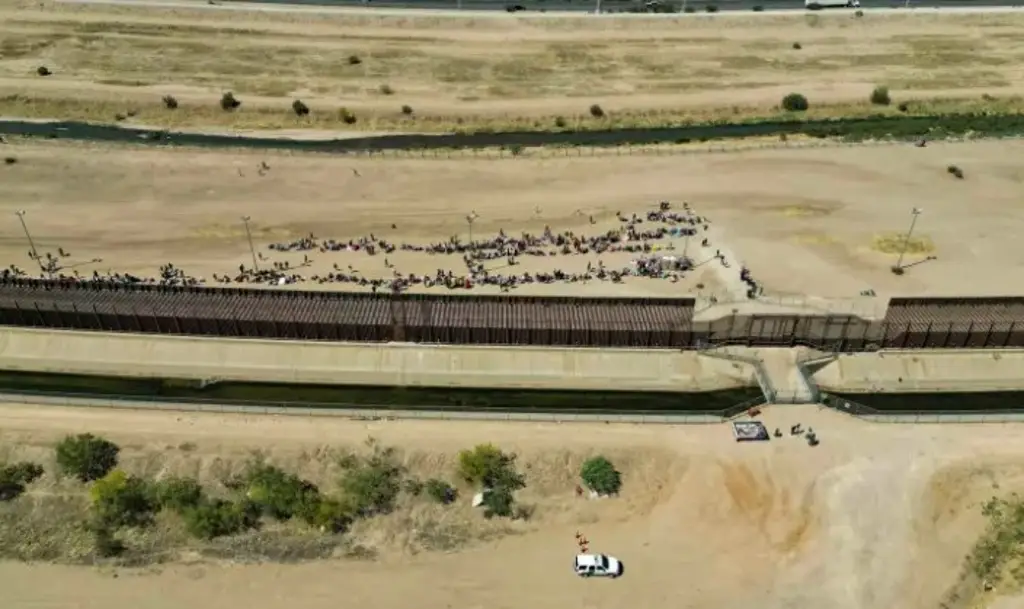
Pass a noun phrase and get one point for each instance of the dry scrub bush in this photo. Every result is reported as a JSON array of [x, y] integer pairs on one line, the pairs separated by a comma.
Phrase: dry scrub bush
[[880, 96]]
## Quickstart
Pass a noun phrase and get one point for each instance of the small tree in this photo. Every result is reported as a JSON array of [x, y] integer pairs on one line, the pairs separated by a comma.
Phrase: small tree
[[880, 96], [228, 102], [86, 457], [600, 476], [15, 477], [299, 108], [121, 500], [407, 110], [795, 102], [440, 491], [596, 111]]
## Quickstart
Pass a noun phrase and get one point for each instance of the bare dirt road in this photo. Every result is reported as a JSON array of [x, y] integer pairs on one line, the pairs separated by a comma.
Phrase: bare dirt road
[[874, 520], [825, 222]]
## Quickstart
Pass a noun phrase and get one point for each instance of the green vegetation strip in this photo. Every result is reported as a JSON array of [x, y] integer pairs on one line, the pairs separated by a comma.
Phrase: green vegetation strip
[[377, 398], [854, 129], [86, 506]]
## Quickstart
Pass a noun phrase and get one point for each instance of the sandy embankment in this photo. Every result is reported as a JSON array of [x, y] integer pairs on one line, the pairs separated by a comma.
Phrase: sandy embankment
[[870, 519], [924, 371]]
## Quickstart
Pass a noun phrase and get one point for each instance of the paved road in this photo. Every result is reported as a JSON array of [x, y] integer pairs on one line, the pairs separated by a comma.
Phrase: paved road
[[549, 7]]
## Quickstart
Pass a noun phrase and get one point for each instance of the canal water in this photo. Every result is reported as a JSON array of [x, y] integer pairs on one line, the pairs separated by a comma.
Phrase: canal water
[[938, 402], [332, 396]]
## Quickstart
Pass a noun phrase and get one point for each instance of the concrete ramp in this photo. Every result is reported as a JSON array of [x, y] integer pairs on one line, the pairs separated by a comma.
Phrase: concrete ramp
[[778, 370], [94, 353]]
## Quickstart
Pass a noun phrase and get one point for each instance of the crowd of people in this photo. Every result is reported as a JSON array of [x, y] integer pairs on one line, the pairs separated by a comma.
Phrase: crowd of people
[[649, 236]]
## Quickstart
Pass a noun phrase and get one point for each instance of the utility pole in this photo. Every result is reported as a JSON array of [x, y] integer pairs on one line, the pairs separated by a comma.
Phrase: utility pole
[[31, 244], [252, 249], [597, 7], [914, 213]]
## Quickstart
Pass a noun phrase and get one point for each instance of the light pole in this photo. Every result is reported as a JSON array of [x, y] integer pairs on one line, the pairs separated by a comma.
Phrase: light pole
[[31, 244], [470, 219], [252, 250], [914, 213]]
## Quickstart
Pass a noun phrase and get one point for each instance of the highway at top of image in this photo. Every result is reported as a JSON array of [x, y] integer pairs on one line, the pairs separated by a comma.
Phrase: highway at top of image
[[534, 7]]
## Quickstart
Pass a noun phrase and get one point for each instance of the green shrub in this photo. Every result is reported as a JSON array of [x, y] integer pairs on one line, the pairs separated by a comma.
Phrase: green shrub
[[327, 514], [178, 494], [105, 544], [346, 116], [560, 122], [277, 493], [904, 107], [372, 485], [440, 491], [711, 8], [482, 464], [354, 60], [600, 476], [498, 502], [386, 89], [217, 517], [86, 457], [120, 500], [494, 470], [15, 477], [795, 102], [596, 111], [170, 102], [412, 487], [880, 96], [407, 110]]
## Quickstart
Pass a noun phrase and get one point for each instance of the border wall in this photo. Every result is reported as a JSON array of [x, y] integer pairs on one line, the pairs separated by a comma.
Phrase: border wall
[[666, 323]]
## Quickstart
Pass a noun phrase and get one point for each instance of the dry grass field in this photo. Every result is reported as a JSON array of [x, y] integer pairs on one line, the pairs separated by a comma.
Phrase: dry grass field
[[823, 222], [488, 73], [881, 516]]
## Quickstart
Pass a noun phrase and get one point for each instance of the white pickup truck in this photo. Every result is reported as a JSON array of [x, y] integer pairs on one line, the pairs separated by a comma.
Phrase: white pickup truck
[[817, 5], [597, 565]]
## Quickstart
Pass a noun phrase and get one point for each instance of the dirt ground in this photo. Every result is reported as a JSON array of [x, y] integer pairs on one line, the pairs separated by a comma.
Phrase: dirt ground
[[121, 58], [881, 517], [806, 222]]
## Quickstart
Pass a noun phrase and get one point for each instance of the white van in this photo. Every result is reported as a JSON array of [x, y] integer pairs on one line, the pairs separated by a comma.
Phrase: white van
[[597, 565], [816, 5]]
